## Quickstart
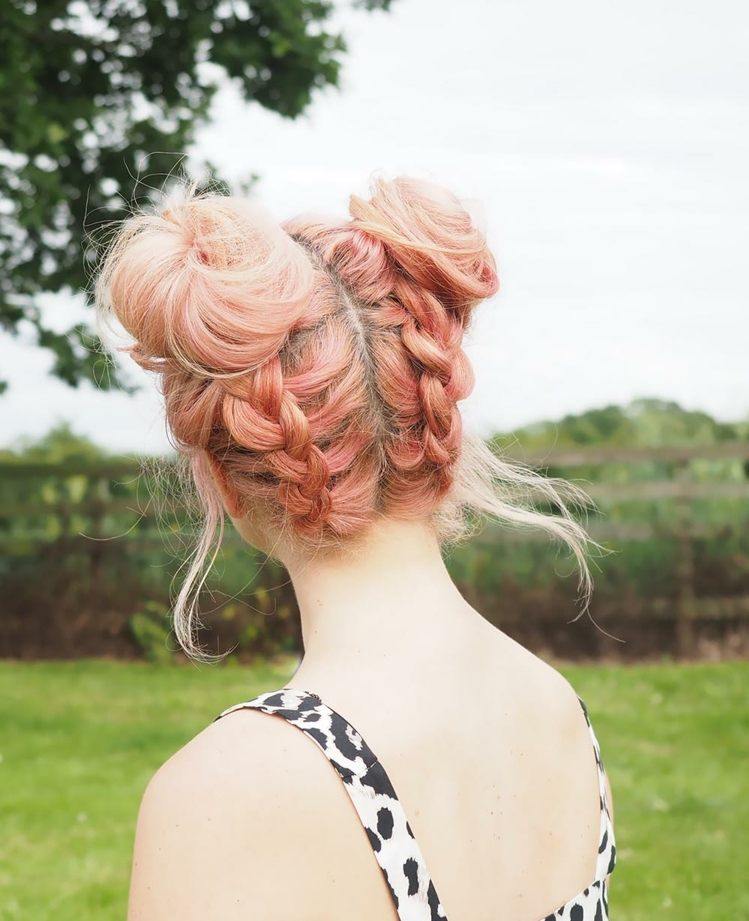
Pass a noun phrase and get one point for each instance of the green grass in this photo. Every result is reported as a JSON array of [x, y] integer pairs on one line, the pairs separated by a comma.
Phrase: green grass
[[80, 740]]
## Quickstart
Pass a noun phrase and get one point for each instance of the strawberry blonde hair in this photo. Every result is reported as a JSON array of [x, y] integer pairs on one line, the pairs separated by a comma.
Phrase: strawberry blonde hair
[[320, 364]]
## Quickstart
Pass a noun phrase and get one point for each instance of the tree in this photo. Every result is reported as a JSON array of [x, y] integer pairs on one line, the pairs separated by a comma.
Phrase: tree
[[89, 90]]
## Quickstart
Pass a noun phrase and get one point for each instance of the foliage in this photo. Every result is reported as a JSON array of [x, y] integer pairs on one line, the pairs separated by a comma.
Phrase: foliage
[[91, 91], [644, 423], [61, 444], [152, 631]]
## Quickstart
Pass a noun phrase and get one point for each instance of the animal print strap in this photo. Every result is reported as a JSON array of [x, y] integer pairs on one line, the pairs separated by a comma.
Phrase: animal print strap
[[607, 845], [371, 793], [384, 820]]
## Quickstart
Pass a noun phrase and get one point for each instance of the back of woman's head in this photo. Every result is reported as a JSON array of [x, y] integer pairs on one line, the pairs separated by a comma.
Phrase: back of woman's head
[[319, 365]]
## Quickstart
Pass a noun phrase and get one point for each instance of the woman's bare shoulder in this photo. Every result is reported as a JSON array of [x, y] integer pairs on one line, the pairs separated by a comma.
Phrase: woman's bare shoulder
[[543, 685], [224, 818]]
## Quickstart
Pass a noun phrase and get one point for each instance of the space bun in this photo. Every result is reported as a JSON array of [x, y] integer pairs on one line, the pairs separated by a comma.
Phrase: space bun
[[431, 237], [210, 283]]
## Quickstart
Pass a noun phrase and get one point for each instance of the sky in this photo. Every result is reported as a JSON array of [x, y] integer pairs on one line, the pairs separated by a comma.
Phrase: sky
[[604, 147]]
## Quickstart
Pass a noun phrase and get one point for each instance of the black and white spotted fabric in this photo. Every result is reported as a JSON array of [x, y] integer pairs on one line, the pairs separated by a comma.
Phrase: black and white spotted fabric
[[372, 794]]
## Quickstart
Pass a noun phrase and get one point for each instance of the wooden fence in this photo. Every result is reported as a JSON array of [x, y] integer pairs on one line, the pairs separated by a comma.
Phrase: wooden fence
[[683, 490], [680, 477]]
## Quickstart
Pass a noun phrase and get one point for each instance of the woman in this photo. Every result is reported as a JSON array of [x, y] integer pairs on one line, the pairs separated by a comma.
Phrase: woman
[[312, 374]]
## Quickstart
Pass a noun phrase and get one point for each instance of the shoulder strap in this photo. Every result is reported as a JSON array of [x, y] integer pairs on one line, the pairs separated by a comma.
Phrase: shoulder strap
[[607, 845], [371, 793]]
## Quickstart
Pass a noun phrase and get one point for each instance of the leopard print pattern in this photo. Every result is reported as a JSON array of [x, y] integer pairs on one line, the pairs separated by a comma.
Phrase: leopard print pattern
[[384, 820]]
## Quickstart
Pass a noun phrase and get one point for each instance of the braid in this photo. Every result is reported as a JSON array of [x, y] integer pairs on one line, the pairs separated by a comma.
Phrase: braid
[[263, 415], [300, 415], [412, 345], [433, 339]]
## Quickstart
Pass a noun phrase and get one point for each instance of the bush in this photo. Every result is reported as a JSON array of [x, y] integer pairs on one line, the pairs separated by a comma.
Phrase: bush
[[151, 630]]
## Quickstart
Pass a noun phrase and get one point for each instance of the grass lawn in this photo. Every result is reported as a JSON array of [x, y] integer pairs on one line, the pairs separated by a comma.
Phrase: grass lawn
[[79, 741]]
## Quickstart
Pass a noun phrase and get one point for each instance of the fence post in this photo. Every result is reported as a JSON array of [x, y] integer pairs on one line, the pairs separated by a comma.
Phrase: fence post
[[685, 569], [100, 492]]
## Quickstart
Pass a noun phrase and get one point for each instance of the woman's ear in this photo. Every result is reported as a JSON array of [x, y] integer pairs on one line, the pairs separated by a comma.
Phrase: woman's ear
[[232, 501]]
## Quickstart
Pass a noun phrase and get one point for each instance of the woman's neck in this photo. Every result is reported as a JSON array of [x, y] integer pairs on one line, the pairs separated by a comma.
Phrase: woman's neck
[[387, 598]]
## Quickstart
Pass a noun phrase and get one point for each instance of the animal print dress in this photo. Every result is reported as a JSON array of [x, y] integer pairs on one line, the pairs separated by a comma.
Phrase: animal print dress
[[381, 813]]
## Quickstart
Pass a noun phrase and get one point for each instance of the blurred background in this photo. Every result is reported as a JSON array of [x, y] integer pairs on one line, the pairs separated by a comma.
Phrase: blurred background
[[603, 147]]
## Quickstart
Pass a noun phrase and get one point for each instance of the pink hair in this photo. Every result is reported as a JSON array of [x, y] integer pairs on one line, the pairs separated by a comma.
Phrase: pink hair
[[320, 364]]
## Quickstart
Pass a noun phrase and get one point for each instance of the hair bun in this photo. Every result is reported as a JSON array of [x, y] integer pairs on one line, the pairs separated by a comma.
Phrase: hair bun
[[431, 237], [210, 282]]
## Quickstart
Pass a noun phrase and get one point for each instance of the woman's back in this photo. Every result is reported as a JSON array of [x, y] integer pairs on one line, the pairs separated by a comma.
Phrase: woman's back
[[486, 747]]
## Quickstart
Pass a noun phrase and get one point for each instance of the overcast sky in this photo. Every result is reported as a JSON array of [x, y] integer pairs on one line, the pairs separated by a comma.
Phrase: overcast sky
[[607, 145]]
